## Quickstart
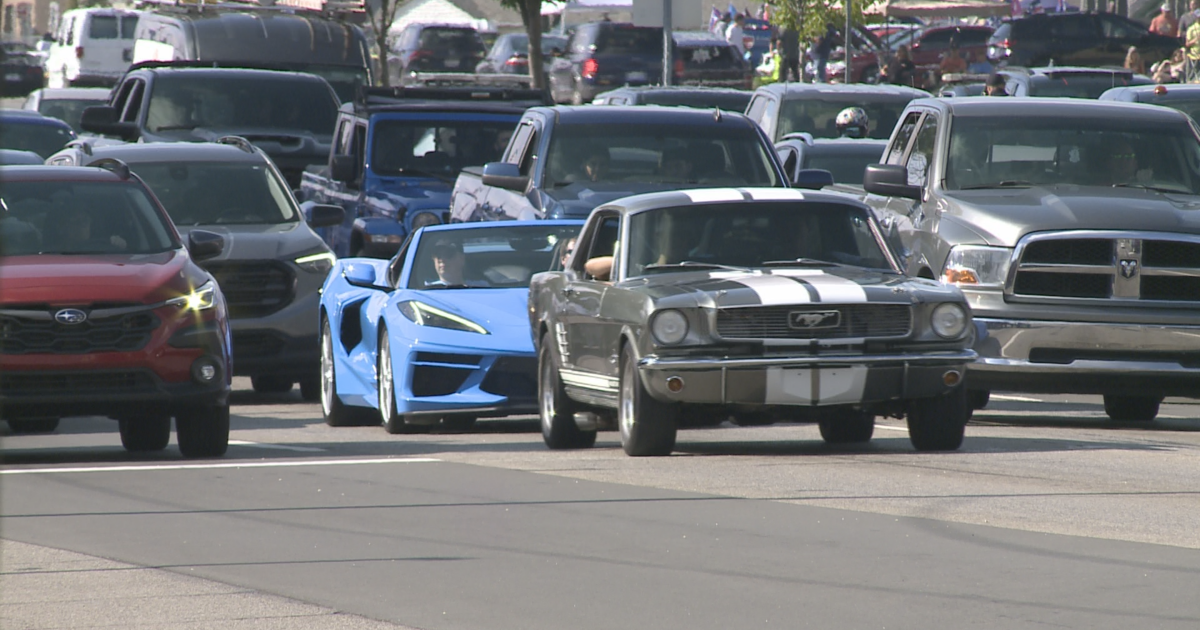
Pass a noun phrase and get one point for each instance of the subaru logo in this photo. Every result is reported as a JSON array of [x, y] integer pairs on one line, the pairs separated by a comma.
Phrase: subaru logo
[[70, 316], [814, 319], [1129, 268]]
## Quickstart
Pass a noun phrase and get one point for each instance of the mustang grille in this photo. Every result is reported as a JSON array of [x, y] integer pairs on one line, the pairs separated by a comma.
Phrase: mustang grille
[[40, 335], [254, 288], [853, 321], [40, 384], [1109, 266]]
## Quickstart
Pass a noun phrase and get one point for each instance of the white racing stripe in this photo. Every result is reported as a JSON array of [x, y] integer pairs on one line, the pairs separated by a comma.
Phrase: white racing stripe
[[210, 466], [773, 290], [775, 194], [714, 194], [832, 289]]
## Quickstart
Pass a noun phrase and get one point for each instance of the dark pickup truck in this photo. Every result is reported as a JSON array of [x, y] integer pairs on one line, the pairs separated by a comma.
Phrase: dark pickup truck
[[565, 160], [1072, 227], [396, 152]]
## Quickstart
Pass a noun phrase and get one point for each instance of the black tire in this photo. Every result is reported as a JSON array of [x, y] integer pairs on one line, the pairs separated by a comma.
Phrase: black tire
[[393, 422], [33, 425], [939, 423], [336, 414], [851, 426], [145, 434], [271, 384], [310, 389], [1131, 408], [647, 426], [204, 431], [557, 412]]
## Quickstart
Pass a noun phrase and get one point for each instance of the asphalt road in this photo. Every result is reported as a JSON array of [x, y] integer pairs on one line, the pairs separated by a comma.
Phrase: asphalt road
[[1049, 514]]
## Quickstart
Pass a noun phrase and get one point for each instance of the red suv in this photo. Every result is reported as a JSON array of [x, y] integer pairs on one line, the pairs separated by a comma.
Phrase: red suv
[[103, 311]]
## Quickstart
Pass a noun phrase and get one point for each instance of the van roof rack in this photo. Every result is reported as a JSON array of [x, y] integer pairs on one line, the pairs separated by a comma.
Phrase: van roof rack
[[370, 95]]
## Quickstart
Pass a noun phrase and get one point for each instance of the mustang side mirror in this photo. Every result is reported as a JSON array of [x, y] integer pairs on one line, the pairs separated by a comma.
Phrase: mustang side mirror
[[889, 180], [203, 244], [505, 175], [343, 167], [813, 178], [322, 215]]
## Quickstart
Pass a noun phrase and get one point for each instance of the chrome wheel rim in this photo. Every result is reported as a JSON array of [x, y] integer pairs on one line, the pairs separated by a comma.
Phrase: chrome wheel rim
[[626, 409], [327, 387], [547, 396], [385, 380]]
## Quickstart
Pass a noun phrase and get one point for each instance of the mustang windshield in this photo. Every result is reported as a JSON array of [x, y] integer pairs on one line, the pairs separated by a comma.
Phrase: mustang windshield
[[199, 193], [487, 258], [751, 234], [54, 217]]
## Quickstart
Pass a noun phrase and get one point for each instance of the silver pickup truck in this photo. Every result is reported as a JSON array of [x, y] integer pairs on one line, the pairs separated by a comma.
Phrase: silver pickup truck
[[1073, 228]]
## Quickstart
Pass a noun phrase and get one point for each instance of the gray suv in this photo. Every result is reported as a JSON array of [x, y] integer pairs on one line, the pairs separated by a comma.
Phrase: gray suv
[[273, 264]]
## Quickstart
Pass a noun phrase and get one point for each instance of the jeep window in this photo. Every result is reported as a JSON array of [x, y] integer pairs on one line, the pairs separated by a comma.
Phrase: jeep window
[[1027, 151], [819, 116], [56, 217], [718, 155], [186, 101], [436, 147], [204, 193], [751, 235]]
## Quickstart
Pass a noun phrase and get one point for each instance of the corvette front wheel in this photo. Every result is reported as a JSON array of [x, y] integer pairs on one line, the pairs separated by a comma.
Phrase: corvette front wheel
[[336, 414], [392, 421]]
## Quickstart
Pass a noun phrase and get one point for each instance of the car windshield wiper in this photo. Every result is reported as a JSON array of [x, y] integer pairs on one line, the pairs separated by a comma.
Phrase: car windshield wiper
[[1181, 191], [693, 265], [414, 172], [801, 262], [1008, 183], [176, 128]]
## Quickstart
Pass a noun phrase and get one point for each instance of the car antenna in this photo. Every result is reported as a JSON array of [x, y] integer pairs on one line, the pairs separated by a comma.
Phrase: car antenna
[[717, 114]]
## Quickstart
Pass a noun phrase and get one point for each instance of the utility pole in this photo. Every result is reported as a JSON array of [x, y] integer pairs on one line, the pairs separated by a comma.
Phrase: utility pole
[[848, 55], [668, 63]]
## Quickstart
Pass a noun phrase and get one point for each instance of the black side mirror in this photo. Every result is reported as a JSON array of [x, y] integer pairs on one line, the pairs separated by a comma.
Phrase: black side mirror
[[813, 178], [102, 119], [343, 167], [889, 180], [505, 175], [203, 244], [324, 215]]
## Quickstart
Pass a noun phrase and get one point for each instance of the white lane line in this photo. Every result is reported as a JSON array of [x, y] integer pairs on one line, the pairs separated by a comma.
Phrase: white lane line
[[890, 428], [282, 464], [1015, 398], [280, 447]]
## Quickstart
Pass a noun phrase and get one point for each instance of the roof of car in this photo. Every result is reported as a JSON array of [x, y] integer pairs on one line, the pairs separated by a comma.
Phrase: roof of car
[[29, 117], [640, 114], [836, 90], [673, 198], [1050, 71], [140, 152], [258, 73], [57, 173], [1050, 107], [73, 93], [1154, 93]]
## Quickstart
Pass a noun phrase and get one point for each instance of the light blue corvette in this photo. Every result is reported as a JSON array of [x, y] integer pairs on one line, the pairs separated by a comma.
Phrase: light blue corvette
[[439, 333]]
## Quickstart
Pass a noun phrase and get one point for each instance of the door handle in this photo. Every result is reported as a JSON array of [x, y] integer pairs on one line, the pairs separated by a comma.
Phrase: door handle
[[568, 291]]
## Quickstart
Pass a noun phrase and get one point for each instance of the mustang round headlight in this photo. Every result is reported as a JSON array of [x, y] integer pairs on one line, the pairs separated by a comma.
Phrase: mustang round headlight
[[948, 320], [669, 327]]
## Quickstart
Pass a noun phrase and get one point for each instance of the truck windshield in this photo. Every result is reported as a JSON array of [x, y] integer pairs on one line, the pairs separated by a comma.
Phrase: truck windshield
[[70, 218], [199, 193], [436, 147], [1111, 151], [818, 116], [184, 101], [705, 157]]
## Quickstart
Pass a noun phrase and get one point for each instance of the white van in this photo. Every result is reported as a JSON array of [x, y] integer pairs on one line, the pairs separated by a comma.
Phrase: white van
[[93, 47]]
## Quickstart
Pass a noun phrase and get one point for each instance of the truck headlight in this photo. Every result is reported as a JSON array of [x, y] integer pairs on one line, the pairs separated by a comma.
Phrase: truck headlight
[[202, 298], [423, 314], [948, 320], [669, 327], [977, 265], [317, 263]]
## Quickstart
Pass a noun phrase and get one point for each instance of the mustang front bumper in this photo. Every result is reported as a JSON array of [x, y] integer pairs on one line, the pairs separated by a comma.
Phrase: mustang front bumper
[[804, 380]]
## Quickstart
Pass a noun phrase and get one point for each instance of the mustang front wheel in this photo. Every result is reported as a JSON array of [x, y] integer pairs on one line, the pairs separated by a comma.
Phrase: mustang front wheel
[[559, 430], [938, 424], [647, 426]]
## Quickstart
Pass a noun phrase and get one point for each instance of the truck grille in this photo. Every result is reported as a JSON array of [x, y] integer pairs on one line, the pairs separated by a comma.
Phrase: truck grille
[[254, 288], [1109, 266], [851, 321], [36, 332]]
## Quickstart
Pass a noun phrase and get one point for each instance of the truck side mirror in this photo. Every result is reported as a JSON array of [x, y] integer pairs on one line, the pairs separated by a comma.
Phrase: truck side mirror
[[102, 119], [203, 244], [505, 175], [343, 167], [813, 178], [889, 180]]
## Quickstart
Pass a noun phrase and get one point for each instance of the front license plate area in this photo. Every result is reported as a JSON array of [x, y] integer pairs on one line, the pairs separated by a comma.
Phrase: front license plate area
[[816, 386]]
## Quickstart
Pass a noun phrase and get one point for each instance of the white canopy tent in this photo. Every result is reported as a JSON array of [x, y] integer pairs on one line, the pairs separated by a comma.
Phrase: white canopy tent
[[941, 8]]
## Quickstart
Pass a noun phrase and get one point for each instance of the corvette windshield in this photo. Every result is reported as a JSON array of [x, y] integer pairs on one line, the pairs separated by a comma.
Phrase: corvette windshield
[[487, 258], [55, 217], [199, 193], [751, 234]]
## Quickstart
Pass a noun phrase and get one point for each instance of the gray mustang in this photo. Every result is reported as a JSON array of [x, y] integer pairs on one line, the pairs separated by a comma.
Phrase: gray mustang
[[689, 307]]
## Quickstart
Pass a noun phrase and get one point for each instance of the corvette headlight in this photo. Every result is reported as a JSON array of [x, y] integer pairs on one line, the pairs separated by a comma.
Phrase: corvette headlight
[[423, 314], [948, 320], [201, 298], [669, 327], [977, 265], [317, 263]]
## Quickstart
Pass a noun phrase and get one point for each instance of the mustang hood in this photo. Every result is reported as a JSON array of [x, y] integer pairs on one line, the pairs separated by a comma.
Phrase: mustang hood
[[73, 280], [579, 199], [1002, 217], [261, 242], [789, 286]]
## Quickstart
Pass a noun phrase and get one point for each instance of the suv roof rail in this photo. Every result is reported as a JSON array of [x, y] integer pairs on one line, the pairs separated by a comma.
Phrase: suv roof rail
[[345, 9], [118, 167], [398, 94], [237, 141], [229, 64], [82, 144]]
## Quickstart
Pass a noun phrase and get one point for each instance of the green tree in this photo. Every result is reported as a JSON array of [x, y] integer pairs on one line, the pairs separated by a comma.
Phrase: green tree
[[381, 19], [809, 17], [531, 17]]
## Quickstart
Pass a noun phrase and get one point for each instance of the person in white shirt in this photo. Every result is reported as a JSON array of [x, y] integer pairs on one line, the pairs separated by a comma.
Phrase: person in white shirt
[[734, 34]]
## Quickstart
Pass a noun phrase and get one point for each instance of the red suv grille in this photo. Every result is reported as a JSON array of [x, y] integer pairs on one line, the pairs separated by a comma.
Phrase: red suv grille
[[41, 384], [36, 332], [253, 289]]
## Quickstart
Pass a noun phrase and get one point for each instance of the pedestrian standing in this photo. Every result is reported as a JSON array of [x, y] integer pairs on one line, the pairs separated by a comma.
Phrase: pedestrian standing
[[1134, 62], [1165, 23], [821, 52], [1193, 52], [789, 49], [1188, 18], [736, 36]]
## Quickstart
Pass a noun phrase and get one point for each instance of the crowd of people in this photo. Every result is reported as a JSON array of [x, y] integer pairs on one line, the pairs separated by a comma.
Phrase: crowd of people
[[1183, 66]]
